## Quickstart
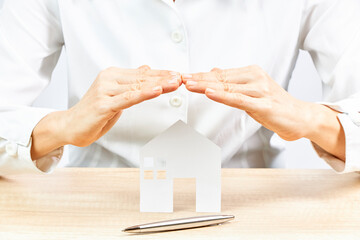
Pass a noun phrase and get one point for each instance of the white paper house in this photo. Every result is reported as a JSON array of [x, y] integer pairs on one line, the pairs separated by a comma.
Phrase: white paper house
[[179, 152]]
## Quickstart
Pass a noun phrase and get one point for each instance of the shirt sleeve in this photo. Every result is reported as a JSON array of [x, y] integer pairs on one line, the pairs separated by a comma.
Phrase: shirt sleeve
[[331, 34], [30, 44]]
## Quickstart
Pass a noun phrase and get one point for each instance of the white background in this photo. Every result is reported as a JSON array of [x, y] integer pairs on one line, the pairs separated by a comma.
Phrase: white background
[[305, 85]]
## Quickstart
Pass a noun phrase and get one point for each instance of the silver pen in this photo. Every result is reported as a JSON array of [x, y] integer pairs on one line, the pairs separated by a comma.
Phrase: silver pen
[[180, 223]]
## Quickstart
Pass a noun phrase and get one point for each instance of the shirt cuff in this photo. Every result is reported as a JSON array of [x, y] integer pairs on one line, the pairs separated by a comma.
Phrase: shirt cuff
[[49, 162], [16, 159], [352, 141], [15, 142]]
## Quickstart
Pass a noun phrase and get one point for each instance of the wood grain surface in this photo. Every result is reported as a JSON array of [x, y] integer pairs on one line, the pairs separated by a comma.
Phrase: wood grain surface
[[76, 203]]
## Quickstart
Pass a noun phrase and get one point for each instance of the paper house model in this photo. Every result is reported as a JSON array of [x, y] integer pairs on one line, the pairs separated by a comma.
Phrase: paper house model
[[179, 152]]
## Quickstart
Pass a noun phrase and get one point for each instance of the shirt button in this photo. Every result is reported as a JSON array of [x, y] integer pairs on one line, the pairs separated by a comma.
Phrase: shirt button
[[176, 101], [177, 36], [11, 149]]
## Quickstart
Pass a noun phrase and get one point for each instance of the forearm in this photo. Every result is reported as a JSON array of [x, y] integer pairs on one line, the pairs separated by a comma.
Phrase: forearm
[[114, 90], [48, 135], [325, 130]]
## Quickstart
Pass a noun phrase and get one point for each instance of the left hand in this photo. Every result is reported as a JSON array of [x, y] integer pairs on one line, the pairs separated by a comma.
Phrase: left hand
[[251, 89]]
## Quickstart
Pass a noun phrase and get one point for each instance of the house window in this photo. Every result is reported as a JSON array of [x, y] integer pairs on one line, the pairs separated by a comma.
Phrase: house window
[[154, 168], [161, 174], [148, 174], [160, 163], [148, 162]]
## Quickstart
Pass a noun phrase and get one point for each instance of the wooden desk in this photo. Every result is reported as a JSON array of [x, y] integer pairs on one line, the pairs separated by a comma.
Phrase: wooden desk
[[98, 203]]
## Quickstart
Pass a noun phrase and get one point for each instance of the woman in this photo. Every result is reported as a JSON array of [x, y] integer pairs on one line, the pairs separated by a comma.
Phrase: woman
[[221, 66]]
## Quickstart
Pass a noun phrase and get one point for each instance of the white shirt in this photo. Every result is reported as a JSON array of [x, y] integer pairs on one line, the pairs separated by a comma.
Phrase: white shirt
[[186, 36]]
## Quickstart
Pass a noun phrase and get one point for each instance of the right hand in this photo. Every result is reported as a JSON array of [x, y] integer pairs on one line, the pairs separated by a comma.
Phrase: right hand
[[114, 90]]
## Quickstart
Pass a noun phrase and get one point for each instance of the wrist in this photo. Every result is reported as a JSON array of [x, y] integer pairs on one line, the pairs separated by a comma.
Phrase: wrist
[[49, 134], [320, 120], [326, 131], [61, 127]]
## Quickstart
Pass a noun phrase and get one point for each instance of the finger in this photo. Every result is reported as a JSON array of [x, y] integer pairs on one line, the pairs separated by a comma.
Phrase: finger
[[202, 76], [228, 76], [155, 72], [130, 98], [236, 100], [144, 68], [132, 79], [216, 69], [240, 70], [141, 75], [200, 87], [167, 86]]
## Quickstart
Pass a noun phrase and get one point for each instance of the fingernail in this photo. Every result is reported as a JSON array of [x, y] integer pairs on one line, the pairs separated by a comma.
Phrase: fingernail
[[157, 89], [174, 80], [187, 76], [191, 83], [209, 90]]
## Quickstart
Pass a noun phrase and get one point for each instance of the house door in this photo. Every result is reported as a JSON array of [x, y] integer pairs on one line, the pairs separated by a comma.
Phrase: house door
[[185, 194]]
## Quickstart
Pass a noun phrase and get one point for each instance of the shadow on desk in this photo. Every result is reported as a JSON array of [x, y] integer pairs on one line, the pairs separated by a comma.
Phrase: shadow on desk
[[4, 179]]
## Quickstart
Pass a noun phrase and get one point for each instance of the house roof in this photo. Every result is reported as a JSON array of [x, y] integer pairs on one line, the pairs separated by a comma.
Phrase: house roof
[[186, 152], [180, 134]]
